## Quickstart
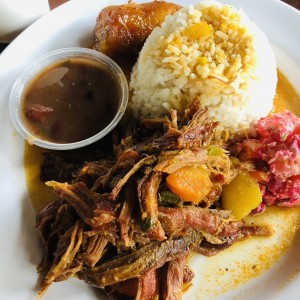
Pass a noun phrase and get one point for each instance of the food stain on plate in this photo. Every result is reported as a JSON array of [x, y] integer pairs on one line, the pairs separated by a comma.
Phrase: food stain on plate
[[245, 260], [33, 158]]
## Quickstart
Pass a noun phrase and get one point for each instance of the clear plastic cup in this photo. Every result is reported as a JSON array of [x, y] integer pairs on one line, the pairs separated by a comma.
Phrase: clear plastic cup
[[43, 63]]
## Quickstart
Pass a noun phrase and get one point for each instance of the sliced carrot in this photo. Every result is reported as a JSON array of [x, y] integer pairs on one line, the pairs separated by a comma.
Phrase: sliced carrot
[[190, 183]]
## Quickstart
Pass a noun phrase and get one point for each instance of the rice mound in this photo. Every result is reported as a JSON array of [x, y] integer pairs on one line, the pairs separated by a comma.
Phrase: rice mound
[[210, 51]]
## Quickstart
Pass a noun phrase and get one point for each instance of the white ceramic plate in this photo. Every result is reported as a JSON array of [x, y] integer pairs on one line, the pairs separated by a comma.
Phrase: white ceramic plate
[[72, 25]]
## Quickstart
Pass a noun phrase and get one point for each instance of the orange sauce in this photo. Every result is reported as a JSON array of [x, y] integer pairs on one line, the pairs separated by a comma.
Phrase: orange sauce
[[40, 194], [286, 96]]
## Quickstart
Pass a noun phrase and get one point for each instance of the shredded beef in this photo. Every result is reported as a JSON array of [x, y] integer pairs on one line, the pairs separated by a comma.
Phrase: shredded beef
[[117, 226]]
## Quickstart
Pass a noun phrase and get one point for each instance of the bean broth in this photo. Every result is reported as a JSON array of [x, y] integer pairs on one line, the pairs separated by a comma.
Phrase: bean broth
[[71, 101]]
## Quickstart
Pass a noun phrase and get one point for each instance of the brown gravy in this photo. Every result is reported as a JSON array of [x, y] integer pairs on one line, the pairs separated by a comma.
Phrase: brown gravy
[[71, 101]]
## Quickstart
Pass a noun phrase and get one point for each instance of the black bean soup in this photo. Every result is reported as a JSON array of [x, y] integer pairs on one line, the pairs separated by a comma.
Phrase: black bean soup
[[71, 100]]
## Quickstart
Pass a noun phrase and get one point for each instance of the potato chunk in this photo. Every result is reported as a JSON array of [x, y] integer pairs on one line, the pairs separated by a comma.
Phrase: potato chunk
[[241, 195]]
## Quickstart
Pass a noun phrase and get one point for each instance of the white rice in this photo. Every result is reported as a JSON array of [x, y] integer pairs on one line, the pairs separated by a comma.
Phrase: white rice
[[210, 51]]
